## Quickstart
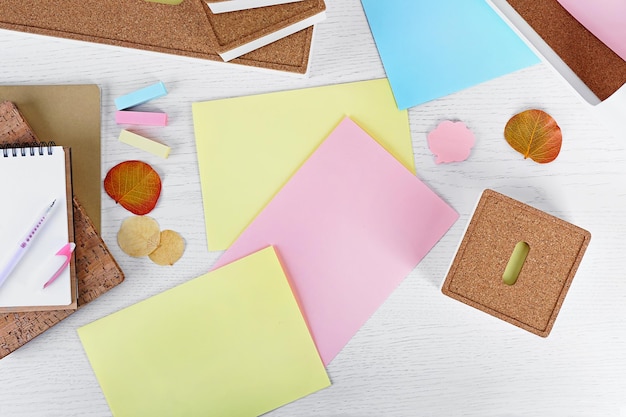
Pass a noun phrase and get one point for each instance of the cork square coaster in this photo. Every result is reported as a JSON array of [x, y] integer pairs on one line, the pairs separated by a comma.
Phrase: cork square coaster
[[555, 250]]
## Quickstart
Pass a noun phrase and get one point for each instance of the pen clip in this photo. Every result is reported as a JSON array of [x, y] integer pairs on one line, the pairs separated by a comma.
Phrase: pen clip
[[66, 251]]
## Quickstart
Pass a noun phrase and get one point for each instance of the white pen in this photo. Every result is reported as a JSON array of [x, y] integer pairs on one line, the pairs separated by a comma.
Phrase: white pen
[[25, 243]]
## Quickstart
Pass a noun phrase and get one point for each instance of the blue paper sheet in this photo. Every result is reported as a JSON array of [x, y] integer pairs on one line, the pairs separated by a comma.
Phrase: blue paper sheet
[[434, 48]]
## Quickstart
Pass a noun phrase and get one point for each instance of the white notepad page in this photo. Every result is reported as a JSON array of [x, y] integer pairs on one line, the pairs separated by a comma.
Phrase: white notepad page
[[29, 183]]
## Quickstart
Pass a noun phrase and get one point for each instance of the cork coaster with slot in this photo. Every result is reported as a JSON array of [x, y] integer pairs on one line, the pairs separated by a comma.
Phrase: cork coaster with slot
[[554, 250]]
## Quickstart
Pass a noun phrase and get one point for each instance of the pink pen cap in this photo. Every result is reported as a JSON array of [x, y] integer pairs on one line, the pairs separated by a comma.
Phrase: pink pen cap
[[66, 253]]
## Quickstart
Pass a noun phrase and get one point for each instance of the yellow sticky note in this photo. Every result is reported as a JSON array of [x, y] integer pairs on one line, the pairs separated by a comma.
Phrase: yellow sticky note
[[248, 147], [231, 342], [144, 144]]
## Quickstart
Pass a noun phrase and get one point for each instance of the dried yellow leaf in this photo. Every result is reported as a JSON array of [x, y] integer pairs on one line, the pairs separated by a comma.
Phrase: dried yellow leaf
[[170, 249], [139, 236]]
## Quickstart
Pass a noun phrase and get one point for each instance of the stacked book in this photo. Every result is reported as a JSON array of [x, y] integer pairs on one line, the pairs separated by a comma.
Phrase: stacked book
[[255, 33], [242, 26], [44, 280]]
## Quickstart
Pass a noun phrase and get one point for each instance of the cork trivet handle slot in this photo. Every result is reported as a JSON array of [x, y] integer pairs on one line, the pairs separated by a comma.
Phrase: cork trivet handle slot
[[515, 263]]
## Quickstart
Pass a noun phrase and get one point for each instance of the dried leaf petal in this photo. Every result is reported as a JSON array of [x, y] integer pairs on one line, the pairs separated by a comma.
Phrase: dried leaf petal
[[170, 249], [135, 185], [139, 236], [534, 134]]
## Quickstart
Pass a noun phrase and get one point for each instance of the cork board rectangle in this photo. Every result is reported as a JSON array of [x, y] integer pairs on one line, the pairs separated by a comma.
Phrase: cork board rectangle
[[556, 250], [96, 269], [244, 29], [600, 69], [182, 29]]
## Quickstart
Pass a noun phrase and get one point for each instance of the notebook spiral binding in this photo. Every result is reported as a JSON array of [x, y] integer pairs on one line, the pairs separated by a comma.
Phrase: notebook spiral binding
[[30, 148]]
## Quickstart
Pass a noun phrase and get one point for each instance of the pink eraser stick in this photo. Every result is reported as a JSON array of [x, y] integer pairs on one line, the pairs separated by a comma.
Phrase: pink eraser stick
[[140, 118], [66, 252]]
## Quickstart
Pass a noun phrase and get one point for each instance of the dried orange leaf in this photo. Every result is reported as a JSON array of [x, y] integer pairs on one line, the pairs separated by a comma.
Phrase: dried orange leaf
[[135, 185], [139, 236], [170, 249], [534, 134]]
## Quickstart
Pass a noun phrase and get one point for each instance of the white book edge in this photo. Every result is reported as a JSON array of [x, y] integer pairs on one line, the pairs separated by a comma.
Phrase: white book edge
[[542, 49], [272, 37], [236, 5]]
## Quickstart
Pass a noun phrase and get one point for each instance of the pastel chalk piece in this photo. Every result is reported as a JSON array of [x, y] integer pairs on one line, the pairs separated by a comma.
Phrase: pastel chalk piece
[[140, 118], [451, 142], [144, 144], [141, 96], [516, 262]]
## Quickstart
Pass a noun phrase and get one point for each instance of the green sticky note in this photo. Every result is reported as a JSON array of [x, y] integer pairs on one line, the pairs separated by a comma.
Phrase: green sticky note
[[231, 342], [248, 147]]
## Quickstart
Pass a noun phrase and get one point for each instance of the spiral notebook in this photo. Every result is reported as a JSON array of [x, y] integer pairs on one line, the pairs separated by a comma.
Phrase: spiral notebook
[[40, 178]]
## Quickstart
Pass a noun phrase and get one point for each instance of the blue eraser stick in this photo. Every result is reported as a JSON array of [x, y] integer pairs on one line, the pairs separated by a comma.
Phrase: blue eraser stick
[[141, 96]]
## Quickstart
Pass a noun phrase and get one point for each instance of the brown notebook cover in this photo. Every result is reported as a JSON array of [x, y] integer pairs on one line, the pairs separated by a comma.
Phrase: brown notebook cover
[[96, 269], [182, 29], [240, 28], [70, 225], [601, 69], [70, 116]]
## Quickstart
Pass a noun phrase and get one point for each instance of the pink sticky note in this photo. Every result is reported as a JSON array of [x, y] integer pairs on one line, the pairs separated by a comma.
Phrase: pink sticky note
[[451, 141], [606, 19], [349, 225], [140, 118]]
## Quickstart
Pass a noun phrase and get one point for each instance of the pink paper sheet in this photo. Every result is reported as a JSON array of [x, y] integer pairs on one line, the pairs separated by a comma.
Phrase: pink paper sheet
[[606, 19], [348, 227]]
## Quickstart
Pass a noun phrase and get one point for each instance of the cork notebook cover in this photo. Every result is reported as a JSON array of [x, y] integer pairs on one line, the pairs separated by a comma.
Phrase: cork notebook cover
[[182, 29], [556, 248], [601, 69], [239, 32], [96, 269]]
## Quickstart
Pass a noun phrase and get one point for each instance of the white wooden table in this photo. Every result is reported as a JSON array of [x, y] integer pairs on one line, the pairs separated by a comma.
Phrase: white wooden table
[[421, 354]]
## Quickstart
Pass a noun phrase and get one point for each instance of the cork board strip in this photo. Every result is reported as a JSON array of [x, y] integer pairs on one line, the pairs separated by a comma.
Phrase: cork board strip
[[183, 29], [556, 250], [601, 69], [96, 269]]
